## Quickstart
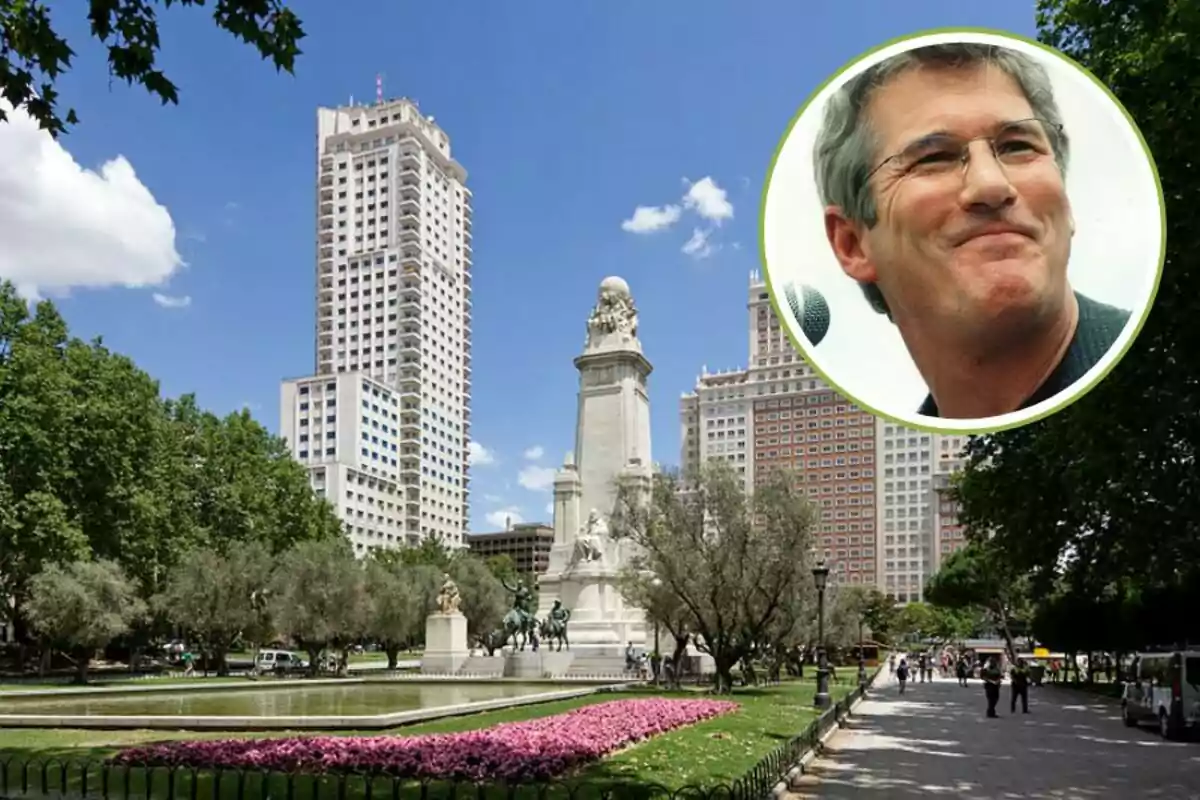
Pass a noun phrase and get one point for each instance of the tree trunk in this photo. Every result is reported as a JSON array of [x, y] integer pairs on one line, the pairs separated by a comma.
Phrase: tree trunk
[[44, 659], [20, 635], [681, 643], [81, 666], [221, 661], [393, 655], [314, 657], [1006, 632], [725, 662]]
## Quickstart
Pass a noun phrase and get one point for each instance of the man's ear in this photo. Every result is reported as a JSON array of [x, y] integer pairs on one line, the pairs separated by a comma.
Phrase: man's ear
[[846, 240]]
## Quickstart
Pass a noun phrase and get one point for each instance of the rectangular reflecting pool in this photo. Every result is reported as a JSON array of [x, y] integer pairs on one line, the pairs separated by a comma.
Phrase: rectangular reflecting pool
[[324, 700]]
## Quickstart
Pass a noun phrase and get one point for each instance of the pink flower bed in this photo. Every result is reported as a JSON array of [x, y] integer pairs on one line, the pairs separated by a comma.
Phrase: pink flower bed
[[530, 750]]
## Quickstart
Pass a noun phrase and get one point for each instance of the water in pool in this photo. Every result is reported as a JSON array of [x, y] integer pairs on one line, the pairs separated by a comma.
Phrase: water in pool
[[354, 699]]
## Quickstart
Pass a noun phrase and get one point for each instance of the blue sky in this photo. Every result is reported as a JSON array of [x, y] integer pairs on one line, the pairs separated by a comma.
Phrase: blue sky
[[567, 116]]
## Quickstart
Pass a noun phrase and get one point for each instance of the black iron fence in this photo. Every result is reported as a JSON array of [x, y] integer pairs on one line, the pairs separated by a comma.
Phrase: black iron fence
[[50, 778]]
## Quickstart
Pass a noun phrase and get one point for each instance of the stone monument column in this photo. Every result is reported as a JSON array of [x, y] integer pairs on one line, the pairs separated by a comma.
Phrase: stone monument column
[[612, 434], [567, 493]]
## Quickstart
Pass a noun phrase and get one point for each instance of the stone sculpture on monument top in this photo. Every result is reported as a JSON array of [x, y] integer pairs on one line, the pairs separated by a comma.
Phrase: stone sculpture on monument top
[[614, 313]]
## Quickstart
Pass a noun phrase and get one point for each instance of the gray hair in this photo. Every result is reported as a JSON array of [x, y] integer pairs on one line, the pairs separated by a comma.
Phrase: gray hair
[[846, 146]]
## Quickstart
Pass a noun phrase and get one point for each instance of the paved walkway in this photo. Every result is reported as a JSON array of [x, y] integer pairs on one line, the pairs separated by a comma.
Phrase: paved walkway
[[934, 741]]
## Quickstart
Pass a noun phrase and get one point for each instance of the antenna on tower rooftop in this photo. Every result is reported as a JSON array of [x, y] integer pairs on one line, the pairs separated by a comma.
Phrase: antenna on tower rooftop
[[379, 88]]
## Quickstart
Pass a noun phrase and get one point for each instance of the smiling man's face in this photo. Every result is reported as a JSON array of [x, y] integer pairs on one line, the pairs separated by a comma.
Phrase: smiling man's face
[[983, 245]]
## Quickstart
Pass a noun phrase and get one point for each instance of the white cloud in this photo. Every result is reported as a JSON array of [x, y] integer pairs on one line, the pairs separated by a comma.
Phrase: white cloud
[[550, 509], [172, 301], [535, 452], [478, 455], [708, 200], [699, 246], [648, 219], [492, 498], [535, 478], [498, 518], [64, 226]]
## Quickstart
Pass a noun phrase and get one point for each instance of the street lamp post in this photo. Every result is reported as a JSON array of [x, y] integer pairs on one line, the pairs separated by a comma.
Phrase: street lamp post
[[862, 658], [657, 661], [821, 576]]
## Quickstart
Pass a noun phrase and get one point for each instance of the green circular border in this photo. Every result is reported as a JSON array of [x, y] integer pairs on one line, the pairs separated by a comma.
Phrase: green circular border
[[777, 306]]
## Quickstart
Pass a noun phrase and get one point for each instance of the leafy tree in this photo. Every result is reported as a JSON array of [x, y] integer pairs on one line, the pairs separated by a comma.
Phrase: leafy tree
[[483, 599], [732, 560], [663, 609], [399, 597], [115, 413], [33, 56], [857, 613], [36, 410], [248, 486], [979, 577], [1102, 497], [430, 551], [318, 596], [81, 607], [94, 462], [212, 595], [915, 621], [879, 614], [503, 567]]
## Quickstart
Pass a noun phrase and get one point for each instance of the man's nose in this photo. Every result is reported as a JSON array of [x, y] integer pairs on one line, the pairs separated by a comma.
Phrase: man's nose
[[986, 186]]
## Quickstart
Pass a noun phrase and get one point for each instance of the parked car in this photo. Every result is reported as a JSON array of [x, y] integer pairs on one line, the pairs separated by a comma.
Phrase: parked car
[[1164, 691], [279, 662]]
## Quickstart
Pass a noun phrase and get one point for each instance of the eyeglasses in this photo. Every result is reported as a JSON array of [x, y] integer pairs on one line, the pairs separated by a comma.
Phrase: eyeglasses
[[1015, 144]]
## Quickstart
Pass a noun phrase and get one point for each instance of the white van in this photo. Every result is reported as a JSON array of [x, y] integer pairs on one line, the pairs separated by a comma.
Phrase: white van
[[278, 661], [1164, 691]]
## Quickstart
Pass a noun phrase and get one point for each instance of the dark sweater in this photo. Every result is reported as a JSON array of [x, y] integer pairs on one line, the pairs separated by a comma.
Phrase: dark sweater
[[1098, 328]]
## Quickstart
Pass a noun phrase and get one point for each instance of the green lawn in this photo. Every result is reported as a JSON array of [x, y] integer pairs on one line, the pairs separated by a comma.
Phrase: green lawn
[[715, 751]]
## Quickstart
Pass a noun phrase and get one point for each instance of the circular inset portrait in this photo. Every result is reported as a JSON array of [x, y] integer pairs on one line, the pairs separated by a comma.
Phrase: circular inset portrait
[[963, 231]]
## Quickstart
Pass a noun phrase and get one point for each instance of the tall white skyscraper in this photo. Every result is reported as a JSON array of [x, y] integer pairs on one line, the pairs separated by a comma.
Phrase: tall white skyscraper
[[393, 291]]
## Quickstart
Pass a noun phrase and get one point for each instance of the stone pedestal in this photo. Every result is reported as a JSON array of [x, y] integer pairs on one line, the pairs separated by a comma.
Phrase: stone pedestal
[[445, 644], [525, 664], [555, 663], [528, 665]]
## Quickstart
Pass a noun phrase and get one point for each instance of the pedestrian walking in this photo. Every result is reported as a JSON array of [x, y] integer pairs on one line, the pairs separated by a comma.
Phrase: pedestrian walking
[[189, 665], [992, 678], [902, 674], [923, 665], [960, 670], [892, 664], [1019, 679]]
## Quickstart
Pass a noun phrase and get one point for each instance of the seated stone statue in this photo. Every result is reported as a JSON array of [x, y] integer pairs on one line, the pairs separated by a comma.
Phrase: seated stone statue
[[448, 598], [589, 544]]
